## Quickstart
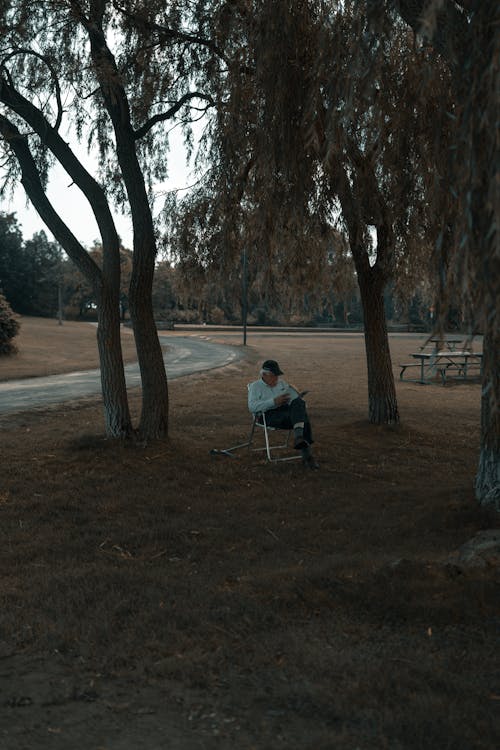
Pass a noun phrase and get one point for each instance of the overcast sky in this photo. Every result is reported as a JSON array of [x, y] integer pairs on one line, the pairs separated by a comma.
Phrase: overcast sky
[[74, 208]]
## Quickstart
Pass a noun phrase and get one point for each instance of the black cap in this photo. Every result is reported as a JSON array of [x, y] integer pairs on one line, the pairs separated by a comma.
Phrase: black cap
[[272, 366]]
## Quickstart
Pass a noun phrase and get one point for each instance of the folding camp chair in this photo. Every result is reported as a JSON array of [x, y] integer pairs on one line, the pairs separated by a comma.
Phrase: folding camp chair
[[259, 423]]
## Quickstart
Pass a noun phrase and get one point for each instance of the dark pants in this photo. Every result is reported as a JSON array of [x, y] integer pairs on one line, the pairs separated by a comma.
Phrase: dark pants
[[284, 417]]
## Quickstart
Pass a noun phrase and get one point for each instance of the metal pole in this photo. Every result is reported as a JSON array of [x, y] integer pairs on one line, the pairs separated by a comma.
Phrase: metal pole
[[59, 302]]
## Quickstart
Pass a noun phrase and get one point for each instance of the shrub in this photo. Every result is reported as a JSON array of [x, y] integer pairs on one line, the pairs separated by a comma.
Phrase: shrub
[[9, 327]]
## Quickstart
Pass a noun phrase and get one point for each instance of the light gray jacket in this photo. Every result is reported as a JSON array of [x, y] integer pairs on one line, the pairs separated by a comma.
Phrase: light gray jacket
[[261, 396]]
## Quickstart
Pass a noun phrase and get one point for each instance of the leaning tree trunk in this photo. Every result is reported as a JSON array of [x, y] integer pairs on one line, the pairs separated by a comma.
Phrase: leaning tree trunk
[[488, 474], [114, 388], [484, 193], [106, 284], [382, 402], [154, 414]]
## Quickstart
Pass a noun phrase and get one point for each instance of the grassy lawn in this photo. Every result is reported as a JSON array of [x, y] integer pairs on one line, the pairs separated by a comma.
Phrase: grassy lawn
[[160, 597]]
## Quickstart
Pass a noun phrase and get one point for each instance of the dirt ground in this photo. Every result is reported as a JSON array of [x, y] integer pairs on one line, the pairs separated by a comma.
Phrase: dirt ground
[[164, 598]]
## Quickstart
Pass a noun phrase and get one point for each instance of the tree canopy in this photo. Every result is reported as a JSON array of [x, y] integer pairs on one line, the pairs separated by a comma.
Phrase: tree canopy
[[29, 269], [114, 72], [371, 126]]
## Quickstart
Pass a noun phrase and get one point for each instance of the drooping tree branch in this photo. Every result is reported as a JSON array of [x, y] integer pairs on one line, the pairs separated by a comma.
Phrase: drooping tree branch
[[55, 78], [63, 153], [34, 189], [163, 116], [175, 35]]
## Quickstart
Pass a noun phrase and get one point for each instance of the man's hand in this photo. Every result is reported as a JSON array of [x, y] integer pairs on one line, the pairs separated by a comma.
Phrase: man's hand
[[283, 399]]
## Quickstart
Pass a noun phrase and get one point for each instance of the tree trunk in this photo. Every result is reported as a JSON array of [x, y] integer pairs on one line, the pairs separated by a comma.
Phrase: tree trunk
[[469, 43], [382, 402], [488, 473], [154, 415], [106, 284], [114, 389], [483, 193]]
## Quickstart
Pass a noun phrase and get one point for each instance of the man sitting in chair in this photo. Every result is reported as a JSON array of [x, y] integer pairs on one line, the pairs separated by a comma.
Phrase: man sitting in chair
[[284, 408]]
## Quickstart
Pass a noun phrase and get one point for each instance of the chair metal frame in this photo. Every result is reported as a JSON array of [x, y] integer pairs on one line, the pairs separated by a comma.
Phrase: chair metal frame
[[259, 421], [269, 447]]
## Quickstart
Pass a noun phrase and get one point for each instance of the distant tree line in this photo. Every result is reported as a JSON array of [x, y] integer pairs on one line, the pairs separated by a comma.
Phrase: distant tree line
[[29, 269], [38, 279]]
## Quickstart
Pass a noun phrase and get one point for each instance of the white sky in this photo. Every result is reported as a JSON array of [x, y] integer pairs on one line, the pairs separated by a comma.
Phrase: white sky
[[74, 208]]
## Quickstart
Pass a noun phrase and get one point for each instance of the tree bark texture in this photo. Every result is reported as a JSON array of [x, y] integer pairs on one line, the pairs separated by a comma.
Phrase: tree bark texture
[[484, 194], [488, 473], [154, 413], [114, 388], [382, 401]]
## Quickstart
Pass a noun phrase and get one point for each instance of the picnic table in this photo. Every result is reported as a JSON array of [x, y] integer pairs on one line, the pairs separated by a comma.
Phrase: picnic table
[[444, 342], [462, 364]]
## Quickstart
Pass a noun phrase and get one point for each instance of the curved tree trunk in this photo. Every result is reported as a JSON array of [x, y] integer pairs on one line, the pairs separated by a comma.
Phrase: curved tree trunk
[[488, 474], [154, 415], [484, 192], [114, 389], [382, 401], [106, 284], [468, 41]]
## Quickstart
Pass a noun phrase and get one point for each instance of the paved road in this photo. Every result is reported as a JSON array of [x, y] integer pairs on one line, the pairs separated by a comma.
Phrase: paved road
[[184, 356]]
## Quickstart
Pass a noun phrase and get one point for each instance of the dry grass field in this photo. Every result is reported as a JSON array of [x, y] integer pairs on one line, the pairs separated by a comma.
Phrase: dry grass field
[[162, 598]]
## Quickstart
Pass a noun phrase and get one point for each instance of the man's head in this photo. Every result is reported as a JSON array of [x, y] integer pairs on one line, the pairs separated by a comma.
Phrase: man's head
[[270, 372]]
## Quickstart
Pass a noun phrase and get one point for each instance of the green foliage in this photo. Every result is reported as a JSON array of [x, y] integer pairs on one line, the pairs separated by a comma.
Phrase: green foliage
[[164, 300], [29, 270], [9, 327], [11, 261], [42, 260]]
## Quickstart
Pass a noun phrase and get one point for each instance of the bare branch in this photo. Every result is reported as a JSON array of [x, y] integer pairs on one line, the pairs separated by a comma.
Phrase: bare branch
[[171, 112], [175, 35], [55, 78], [34, 189], [60, 149]]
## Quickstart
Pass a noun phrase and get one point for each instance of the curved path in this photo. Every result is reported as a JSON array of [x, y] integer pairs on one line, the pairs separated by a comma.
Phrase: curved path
[[183, 357]]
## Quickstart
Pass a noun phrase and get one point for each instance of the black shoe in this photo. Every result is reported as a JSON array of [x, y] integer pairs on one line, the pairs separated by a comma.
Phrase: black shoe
[[310, 462], [300, 444], [308, 458]]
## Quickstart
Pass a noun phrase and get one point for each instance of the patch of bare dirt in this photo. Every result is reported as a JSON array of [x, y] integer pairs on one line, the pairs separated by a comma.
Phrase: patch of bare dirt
[[158, 596]]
